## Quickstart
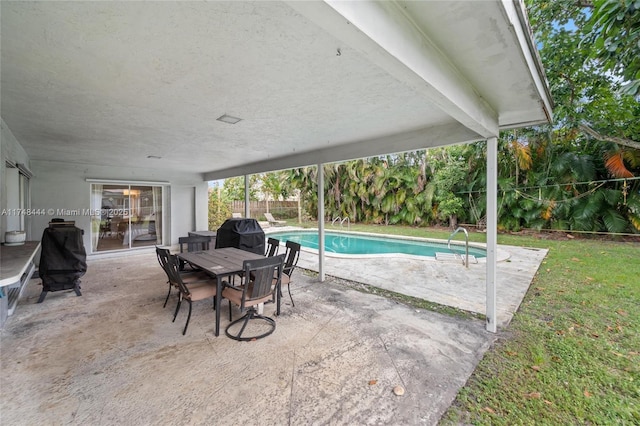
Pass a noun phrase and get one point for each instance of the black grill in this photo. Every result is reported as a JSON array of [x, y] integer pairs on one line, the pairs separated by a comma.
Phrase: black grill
[[245, 234], [63, 258]]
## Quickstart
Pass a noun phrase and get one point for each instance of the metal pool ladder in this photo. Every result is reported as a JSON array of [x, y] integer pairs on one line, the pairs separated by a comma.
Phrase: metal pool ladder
[[465, 261], [341, 221]]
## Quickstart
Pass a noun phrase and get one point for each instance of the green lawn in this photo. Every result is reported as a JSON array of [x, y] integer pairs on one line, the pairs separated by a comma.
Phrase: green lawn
[[571, 354]]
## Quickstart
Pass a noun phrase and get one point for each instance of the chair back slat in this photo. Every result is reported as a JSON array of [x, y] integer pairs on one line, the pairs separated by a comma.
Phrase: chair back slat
[[272, 247], [261, 273], [293, 253], [163, 258], [173, 271], [195, 243]]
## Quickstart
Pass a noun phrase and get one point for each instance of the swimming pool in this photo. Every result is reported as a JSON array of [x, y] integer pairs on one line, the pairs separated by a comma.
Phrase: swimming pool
[[343, 243]]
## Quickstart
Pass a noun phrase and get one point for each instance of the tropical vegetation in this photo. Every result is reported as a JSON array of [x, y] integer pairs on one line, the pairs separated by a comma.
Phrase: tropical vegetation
[[614, 31]]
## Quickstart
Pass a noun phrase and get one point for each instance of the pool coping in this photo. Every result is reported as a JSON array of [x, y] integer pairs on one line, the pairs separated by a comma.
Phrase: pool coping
[[501, 254]]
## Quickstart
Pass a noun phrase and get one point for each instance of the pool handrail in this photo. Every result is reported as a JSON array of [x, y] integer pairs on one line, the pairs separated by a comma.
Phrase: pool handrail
[[466, 237], [342, 220]]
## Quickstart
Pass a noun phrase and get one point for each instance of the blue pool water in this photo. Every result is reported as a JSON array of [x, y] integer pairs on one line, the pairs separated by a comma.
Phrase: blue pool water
[[357, 244]]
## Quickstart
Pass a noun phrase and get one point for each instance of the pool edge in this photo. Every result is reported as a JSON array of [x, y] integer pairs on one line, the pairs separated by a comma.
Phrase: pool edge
[[501, 255]]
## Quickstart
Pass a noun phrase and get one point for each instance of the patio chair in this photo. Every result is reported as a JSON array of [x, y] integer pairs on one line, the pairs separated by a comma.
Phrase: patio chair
[[292, 255], [188, 277], [191, 293], [163, 259], [273, 245], [195, 243], [273, 221], [258, 289]]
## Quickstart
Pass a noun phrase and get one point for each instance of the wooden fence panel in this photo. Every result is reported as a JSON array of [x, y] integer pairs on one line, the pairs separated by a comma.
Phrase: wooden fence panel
[[279, 209]]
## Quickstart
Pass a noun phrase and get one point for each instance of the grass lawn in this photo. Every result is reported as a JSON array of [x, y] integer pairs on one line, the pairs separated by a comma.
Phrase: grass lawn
[[571, 354]]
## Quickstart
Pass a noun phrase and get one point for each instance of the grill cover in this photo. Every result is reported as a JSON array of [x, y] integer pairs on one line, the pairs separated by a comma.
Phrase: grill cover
[[245, 234], [63, 258]]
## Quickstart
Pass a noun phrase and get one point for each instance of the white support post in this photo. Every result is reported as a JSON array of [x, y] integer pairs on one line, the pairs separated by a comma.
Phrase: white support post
[[321, 222], [246, 196], [492, 231]]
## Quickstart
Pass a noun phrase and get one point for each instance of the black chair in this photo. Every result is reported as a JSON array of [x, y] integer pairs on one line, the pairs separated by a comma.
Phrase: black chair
[[264, 280], [190, 277], [163, 260], [191, 244], [191, 293], [292, 255], [272, 247]]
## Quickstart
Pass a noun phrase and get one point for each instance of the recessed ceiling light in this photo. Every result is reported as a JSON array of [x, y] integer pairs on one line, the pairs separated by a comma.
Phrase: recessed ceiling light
[[154, 157], [228, 119]]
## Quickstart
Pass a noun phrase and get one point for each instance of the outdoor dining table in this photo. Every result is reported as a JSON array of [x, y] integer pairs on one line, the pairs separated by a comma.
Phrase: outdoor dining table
[[222, 263]]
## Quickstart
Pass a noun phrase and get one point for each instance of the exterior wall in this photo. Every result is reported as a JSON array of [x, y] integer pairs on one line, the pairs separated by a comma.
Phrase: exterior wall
[[10, 150], [202, 206], [64, 187], [182, 202]]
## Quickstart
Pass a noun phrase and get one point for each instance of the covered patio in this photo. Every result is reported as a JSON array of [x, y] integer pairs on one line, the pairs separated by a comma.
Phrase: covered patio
[[167, 96], [113, 356]]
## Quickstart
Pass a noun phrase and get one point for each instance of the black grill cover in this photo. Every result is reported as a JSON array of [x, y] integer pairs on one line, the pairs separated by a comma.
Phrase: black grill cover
[[63, 258], [245, 234]]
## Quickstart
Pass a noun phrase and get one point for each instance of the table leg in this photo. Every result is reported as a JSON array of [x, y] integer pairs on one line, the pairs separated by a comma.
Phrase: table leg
[[218, 298], [278, 299]]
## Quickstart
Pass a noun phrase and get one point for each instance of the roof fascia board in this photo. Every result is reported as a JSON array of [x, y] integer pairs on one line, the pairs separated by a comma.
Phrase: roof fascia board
[[447, 134], [383, 33], [515, 12]]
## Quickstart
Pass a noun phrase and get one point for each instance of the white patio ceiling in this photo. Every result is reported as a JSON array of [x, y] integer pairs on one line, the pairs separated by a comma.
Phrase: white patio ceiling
[[112, 83]]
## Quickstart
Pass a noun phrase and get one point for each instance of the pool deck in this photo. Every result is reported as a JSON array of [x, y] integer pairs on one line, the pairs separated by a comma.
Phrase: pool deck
[[445, 282]]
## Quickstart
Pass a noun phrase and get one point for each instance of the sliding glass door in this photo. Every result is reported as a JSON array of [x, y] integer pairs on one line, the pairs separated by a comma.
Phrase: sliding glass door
[[125, 216]]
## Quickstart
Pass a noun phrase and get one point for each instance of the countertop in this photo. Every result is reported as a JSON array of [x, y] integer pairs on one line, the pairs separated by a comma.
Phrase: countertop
[[14, 261]]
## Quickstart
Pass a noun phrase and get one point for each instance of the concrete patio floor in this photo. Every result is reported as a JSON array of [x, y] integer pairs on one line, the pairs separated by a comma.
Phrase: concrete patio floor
[[113, 356]]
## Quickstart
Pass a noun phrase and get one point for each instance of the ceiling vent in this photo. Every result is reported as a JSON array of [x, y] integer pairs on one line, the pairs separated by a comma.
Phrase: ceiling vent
[[228, 119]]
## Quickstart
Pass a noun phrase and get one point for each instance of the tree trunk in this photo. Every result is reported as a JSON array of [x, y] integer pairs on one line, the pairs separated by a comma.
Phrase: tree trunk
[[453, 221]]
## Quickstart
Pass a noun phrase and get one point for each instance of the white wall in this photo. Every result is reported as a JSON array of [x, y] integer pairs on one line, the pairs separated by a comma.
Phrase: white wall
[[64, 186], [202, 207], [182, 200]]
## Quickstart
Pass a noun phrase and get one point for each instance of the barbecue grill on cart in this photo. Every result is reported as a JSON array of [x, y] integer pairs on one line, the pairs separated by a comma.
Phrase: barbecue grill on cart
[[245, 234], [62, 259]]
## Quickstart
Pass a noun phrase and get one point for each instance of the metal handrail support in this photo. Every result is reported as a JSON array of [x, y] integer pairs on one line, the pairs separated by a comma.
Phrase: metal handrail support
[[466, 237]]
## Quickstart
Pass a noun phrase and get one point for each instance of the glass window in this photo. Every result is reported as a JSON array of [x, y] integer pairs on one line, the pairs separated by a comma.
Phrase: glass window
[[125, 216]]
